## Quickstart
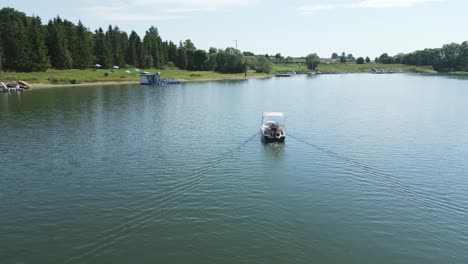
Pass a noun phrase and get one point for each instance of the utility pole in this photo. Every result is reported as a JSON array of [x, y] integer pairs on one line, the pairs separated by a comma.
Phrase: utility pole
[[236, 42]]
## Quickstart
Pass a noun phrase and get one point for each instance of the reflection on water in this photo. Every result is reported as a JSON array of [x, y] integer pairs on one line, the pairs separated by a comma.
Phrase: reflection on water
[[273, 150]]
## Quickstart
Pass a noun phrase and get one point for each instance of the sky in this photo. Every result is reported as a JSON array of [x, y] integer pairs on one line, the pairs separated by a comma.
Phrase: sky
[[293, 28]]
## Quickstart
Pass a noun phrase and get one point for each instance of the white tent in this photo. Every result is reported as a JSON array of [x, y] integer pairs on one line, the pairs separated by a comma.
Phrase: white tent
[[97, 66], [115, 67]]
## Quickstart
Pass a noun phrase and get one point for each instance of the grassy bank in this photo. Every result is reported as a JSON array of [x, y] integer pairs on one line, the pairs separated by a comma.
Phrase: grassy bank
[[352, 68], [67, 77], [94, 76]]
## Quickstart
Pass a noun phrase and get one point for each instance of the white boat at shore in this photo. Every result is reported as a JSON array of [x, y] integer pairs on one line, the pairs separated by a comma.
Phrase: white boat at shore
[[286, 74], [272, 127], [11, 87]]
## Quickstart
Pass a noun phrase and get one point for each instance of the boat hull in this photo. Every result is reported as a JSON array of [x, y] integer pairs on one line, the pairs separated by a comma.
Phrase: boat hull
[[268, 139]]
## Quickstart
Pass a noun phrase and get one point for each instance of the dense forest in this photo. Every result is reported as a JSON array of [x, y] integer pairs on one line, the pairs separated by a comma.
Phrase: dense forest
[[27, 45]]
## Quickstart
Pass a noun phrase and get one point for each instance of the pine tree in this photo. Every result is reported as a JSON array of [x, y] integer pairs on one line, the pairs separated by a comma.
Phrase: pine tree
[[140, 51], [108, 39], [153, 46], [134, 48], [172, 52], [1, 56], [83, 53], [57, 44], [101, 50], [38, 60], [123, 44], [181, 57], [117, 42], [165, 49], [190, 53]]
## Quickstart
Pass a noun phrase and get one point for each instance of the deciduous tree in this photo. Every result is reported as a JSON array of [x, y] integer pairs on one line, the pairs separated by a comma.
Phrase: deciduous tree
[[312, 61]]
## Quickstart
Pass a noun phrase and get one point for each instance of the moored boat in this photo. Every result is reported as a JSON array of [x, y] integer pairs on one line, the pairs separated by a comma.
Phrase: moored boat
[[24, 85], [272, 127], [11, 87], [285, 74]]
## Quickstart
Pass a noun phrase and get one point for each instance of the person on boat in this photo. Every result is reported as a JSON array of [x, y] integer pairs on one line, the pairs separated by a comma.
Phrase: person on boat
[[280, 130], [273, 128]]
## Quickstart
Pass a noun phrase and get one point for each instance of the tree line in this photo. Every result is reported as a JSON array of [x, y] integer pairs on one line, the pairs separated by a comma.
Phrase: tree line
[[451, 57], [349, 58], [27, 45]]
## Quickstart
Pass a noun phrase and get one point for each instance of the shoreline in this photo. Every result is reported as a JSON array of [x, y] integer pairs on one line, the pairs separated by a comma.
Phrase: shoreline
[[233, 78], [113, 83]]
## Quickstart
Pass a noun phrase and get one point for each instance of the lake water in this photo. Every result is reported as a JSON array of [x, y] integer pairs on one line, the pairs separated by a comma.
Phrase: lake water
[[374, 170]]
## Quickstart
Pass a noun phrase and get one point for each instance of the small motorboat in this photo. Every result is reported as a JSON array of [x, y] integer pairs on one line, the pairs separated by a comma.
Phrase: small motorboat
[[285, 74], [24, 85], [11, 87], [272, 127]]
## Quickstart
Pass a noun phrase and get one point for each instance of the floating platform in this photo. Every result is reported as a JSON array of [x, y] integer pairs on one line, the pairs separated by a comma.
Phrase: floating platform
[[147, 78]]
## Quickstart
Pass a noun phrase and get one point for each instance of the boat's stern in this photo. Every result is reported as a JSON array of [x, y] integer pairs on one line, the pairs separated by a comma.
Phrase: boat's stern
[[269, 137]]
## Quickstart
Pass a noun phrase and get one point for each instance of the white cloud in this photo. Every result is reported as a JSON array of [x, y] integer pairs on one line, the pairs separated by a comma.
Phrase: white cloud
[[319, 7], [307, 9], [157, 10], [187, 10], [392, 3], [120, 12], [197, 3]]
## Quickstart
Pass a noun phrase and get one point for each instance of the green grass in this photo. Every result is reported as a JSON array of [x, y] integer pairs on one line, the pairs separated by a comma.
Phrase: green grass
[[200, 75], [91, 76], [356, 68], [289, 67], [352, 68], [83, 76]]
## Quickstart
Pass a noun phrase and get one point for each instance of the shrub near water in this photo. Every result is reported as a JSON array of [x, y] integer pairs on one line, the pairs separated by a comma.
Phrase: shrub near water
[[262, 64]]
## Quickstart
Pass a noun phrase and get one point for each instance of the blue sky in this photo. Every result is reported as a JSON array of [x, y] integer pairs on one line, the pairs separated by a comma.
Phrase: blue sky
[[293, 28]]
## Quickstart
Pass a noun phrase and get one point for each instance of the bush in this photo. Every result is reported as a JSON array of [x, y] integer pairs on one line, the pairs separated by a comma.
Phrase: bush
[[230, 61], [262, 64]]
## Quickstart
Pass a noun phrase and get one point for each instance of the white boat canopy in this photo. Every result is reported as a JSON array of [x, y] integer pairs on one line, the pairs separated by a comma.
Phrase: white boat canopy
[[274, 117], [278, 114]]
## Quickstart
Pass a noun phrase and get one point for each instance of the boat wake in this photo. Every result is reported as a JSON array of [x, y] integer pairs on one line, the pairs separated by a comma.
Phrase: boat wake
[[146, 214], [421, 198]]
